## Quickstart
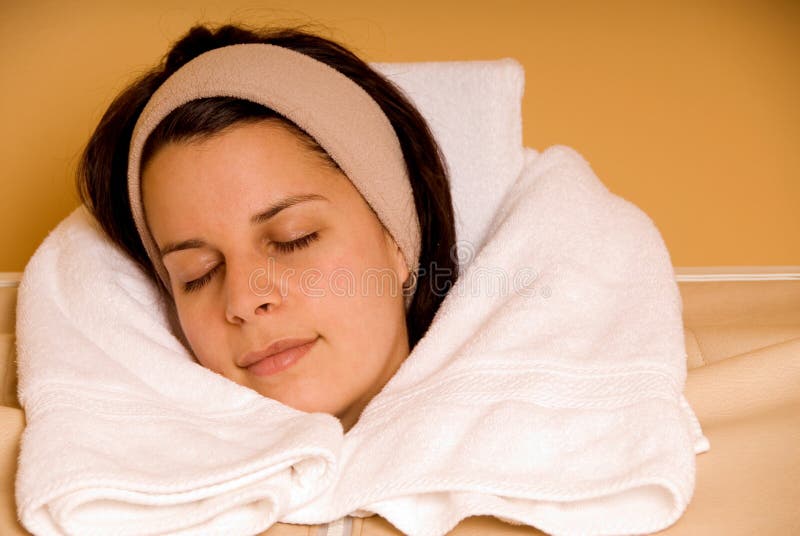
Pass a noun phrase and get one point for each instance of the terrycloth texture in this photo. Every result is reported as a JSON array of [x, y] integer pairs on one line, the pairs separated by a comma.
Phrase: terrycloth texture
[[474, 109], [555, 401]]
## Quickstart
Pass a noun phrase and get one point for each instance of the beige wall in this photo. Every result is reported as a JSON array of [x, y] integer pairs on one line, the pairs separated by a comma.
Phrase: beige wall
[[691, 110]]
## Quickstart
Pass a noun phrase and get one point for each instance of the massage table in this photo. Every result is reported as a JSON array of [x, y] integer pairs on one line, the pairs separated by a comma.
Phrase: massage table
[[742, 333]]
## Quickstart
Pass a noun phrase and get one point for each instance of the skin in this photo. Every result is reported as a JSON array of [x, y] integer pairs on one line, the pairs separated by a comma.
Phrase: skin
[[207, 191]]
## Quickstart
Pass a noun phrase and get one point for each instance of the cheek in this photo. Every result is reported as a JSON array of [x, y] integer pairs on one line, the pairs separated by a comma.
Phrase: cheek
[[201, 335], [352, 292], [346, 279]]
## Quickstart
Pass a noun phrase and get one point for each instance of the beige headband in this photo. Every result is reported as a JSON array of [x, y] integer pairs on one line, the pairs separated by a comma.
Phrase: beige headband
[[330, 107]]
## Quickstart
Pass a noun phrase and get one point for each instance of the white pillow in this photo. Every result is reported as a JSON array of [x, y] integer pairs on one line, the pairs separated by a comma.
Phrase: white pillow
[[474, 111]]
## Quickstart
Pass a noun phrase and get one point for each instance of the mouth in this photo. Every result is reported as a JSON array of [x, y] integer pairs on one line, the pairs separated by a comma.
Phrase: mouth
[[278, 357]]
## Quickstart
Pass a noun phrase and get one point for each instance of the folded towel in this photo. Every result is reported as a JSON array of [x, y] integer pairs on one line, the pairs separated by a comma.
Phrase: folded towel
[[548, 391], [474, 109]]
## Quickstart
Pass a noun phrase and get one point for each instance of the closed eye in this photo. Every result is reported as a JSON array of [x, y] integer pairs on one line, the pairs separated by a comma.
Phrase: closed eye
[[283, 247], [200, 282], [300, 243]]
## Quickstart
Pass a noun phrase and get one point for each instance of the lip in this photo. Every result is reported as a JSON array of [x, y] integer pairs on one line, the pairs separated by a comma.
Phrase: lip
[[277, 357]]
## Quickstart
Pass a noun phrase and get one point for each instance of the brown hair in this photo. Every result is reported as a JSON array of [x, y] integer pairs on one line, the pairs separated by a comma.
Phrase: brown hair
[[102, 170]]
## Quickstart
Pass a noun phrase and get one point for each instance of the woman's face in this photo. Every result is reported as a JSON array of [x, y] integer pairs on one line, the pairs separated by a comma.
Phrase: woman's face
[[239, 286]]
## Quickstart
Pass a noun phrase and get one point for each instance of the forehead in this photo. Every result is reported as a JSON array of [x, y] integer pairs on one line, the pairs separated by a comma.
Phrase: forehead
[[235, 174], [264, 154]]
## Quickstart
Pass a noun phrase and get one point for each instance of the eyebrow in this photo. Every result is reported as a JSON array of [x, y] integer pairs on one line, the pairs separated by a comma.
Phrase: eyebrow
[[281, 204], [256, 219]]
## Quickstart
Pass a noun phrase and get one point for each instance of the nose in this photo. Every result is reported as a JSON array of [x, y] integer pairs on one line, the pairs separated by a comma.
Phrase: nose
[[252, 289]]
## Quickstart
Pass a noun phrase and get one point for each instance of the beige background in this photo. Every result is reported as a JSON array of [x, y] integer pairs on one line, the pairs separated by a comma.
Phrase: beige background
[[691, 110]]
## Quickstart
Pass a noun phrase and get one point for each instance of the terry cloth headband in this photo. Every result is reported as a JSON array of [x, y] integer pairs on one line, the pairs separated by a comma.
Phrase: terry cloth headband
[[334, 110]]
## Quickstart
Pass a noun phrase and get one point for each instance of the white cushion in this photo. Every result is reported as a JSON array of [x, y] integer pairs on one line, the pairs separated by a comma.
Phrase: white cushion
[[474, 111]]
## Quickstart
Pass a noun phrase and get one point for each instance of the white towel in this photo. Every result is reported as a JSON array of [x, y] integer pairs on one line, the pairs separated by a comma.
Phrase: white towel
[[555, 401], [474, 109]]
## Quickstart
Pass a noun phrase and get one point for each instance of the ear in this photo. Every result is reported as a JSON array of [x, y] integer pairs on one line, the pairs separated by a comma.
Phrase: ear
[[398, 260]]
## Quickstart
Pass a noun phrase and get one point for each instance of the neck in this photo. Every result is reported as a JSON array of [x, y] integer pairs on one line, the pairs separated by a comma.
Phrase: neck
[[349, 417]]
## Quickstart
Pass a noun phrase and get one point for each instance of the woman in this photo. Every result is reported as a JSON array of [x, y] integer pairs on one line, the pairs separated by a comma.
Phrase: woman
[[259, 240]]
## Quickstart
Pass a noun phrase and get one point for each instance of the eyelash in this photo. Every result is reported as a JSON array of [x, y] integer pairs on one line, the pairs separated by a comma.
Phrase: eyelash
[[300, 243], [283, 247], [196, 284]]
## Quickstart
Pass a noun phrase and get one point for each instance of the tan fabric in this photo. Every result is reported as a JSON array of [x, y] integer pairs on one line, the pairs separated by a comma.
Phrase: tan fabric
[[741, 303], [743, 384], [723, 319], [333, 109], [8, 372], [8, 367], [12, 421], [8, 300]]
